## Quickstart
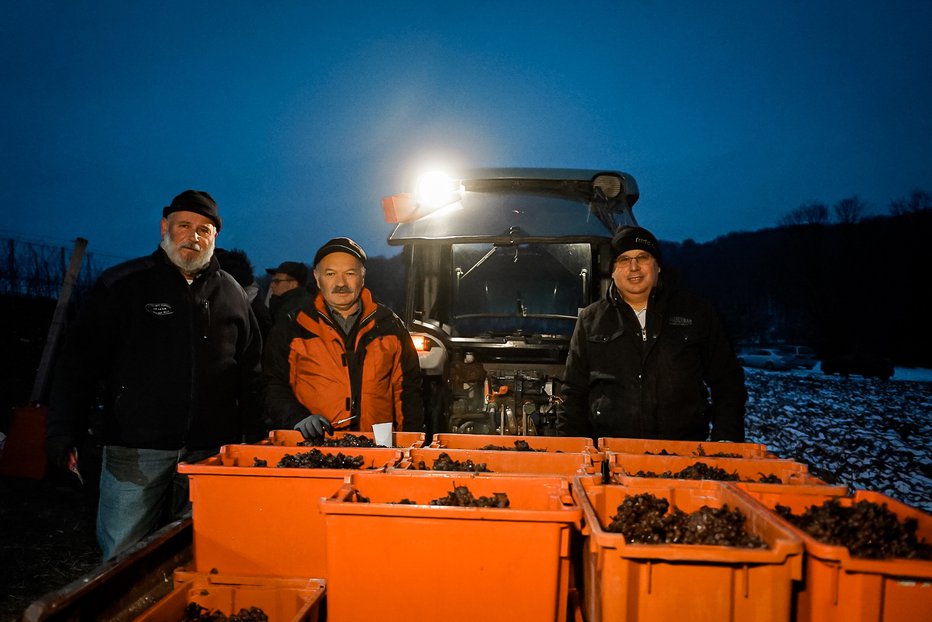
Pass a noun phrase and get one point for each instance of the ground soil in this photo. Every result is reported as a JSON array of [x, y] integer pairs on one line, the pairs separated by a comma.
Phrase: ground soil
[[46, 537]]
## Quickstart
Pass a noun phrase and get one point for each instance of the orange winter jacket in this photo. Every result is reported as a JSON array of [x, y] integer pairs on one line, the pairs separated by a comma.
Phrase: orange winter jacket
[[310, 366]]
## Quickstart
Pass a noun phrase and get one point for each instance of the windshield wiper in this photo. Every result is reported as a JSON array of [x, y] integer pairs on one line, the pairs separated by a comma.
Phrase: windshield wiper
[[460, 275]]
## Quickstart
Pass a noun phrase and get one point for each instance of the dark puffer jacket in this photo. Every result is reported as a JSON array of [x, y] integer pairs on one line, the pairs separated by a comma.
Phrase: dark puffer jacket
[[173, 365], [674, 384], [289, 303]]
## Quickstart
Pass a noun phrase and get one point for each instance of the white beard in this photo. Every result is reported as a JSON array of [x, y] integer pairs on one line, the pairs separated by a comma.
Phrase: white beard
[[196, 263]]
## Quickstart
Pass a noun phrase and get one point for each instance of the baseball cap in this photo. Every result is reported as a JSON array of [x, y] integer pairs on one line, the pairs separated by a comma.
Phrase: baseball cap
[[294, 269], [340, 245]]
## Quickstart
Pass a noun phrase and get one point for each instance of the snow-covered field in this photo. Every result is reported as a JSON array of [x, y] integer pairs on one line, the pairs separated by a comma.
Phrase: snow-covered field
[[865, 434]]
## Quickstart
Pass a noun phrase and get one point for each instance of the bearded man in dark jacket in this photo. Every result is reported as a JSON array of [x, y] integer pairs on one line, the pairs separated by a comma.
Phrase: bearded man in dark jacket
[[651, 360], [169, 345]]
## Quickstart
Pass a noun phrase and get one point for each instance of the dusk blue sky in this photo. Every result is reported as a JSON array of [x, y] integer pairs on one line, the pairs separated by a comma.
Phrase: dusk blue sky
[[299, 116]]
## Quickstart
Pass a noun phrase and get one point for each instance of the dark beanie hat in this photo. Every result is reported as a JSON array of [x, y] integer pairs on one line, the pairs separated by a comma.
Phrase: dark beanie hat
[[340, 245], [630, 238], [196, 201], [295, 269]]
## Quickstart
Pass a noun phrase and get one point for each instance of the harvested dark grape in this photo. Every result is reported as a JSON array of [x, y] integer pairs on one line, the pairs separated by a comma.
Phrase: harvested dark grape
[[644, 519], [520, 445], [460, 496], [316, 459], [701, 470], [769, 479], [347, 440], [699, 452], [867, 529], [195, 613], [445, 463]]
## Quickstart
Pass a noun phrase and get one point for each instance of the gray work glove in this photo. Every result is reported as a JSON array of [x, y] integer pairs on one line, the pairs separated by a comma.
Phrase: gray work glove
[[313, 427]]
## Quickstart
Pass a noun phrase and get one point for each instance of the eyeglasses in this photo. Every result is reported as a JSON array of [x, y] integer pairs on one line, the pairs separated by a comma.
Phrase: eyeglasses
[[282, 280], [640, 258]]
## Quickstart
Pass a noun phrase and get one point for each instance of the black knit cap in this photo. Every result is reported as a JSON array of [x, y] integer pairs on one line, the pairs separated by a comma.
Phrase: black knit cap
[[340, 245], [631, 238], [196, 201], [295, 269]]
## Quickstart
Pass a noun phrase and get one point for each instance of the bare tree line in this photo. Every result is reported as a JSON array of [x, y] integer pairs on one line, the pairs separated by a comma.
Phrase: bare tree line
[[852, 209]]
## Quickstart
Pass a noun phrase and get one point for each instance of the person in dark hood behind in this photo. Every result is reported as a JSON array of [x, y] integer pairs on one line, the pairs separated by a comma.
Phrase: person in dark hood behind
[[651, 360], [171, 348], [288, 290], [236, 262]]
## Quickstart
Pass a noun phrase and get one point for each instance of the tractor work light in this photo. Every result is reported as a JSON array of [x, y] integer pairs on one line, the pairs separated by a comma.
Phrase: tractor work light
[[435, 189], [433, 192]]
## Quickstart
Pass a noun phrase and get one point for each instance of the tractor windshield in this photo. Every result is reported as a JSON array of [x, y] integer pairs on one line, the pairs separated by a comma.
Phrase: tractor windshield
[[518, 289]]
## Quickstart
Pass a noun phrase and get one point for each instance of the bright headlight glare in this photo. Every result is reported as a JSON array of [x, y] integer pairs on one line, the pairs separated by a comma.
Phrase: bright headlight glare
[[436, 189]]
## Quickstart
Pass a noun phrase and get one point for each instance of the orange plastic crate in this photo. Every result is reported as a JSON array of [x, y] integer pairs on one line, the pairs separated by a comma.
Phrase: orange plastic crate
[[282, 600], [265, 520], [623, 467], [511, 462], [292, 438], [761, 491], [682, 448], [570, 444], [423, 562], [842, 588], [640, 582]]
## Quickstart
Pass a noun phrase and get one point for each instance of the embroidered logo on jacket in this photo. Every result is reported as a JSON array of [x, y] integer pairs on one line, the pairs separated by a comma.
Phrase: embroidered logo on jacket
[[159, 308], [678, 320]]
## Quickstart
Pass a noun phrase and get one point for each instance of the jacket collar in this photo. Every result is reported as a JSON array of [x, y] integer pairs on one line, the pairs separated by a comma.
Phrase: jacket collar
[[616, 299], [368, 303]]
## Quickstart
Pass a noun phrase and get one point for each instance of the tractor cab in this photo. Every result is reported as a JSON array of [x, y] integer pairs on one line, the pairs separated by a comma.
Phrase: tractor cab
[[498, 264]]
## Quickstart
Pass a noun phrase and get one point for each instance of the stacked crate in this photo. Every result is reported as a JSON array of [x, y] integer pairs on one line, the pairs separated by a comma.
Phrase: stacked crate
[[657, 582], [282, 600], [369, 544], [834, 586], [264, 520], [415, 560], [839, 587]]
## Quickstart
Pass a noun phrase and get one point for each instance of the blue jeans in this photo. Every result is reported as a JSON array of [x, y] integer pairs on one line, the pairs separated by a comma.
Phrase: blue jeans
[[140, 491]]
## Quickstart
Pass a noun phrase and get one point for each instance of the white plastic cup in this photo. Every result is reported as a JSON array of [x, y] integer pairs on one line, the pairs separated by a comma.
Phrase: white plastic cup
[[383, 434]]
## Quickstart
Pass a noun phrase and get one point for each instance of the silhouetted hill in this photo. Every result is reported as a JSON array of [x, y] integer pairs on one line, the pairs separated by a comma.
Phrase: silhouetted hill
[[841, 288]]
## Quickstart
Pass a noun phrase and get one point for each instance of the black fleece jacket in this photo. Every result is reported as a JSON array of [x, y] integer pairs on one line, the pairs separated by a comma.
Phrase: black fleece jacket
[[171, 364], [674, 383]]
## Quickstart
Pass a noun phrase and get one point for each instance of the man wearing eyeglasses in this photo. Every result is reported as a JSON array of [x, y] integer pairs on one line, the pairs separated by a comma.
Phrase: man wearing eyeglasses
[[288, 292], [651, 360]]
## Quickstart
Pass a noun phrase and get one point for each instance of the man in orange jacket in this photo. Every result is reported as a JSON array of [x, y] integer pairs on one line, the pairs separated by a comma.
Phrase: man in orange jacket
[[345, 362]]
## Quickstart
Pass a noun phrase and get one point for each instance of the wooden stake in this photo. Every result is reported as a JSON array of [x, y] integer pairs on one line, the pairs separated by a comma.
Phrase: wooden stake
[[58, 320]]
